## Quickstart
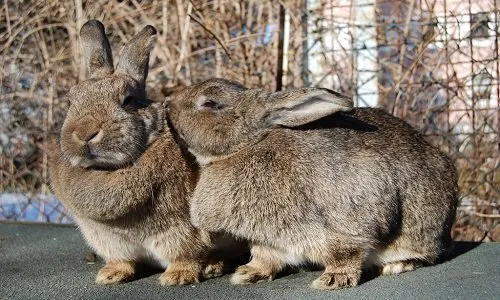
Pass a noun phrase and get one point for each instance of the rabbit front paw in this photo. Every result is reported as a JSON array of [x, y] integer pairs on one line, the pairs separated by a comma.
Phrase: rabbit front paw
[[115, 272], [247, 275], [180, 274], [333, 281], [214, 270], [400, 267]]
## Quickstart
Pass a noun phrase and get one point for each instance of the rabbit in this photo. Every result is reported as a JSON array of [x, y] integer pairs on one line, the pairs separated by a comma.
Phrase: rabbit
[[121, 173], [308, 179]]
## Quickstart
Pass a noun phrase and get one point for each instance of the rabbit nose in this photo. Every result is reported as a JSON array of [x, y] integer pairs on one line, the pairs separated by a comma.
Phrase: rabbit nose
[[91, 136]]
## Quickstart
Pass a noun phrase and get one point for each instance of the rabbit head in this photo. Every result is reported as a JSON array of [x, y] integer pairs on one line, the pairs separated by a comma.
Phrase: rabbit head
[[110, 122], [218, 117]]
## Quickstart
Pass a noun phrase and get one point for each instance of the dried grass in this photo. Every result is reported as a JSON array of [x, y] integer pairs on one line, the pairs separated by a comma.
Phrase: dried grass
[[40, 60]]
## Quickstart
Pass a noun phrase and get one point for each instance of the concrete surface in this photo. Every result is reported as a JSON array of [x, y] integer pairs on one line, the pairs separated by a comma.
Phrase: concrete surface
[[47, 262]]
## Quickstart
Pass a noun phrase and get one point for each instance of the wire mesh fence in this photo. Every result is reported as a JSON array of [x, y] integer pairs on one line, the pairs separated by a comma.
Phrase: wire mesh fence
[[433, 63]]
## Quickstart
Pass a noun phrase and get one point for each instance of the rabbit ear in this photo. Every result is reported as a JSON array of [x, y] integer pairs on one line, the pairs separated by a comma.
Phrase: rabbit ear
[[134, 58], [301, 106], [96, 49]]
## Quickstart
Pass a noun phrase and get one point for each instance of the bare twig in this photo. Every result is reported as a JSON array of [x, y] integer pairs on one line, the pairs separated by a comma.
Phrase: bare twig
[[39, 62], [184, 30], [212, 34], [78, 24]]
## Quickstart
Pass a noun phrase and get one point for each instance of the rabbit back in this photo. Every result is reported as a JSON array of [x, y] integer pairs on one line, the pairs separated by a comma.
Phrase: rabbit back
[[365, 175]]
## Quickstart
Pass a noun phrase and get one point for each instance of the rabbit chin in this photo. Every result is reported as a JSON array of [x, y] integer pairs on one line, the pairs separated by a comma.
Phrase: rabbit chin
[[116, 160], [204, 160]]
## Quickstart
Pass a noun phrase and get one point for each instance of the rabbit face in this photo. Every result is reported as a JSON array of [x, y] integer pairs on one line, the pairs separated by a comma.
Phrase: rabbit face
[[213, 117], [219, 117], [109, 122]]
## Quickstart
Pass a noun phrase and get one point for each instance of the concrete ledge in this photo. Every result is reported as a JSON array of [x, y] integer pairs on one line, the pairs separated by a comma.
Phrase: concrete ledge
[[47, 262]]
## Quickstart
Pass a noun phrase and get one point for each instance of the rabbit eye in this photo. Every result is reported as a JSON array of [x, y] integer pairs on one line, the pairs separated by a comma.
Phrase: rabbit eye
[[127, 100], [210, 104]]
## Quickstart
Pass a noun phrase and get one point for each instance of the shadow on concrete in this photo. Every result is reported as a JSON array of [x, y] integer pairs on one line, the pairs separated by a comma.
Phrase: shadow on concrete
[[457, 249], [145, 270]]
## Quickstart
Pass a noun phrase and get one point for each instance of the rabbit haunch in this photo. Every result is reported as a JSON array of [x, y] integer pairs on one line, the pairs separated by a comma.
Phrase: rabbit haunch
[[305, 177]]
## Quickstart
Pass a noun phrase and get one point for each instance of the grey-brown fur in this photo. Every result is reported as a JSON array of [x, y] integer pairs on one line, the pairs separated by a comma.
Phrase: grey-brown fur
[[120, 172], [354, 188]]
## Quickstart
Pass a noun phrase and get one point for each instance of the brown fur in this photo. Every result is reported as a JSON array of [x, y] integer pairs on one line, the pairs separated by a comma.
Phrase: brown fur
[[120, 172], [306, 178]]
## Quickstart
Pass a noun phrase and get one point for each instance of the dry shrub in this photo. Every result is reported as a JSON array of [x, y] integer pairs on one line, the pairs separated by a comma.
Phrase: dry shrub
[[417, 80]]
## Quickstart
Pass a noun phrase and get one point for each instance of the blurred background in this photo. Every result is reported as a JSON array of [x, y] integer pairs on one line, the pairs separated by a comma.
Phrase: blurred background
[[434, 63]]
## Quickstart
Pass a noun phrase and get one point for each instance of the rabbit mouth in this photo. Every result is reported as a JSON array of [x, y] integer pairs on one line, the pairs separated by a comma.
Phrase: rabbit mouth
[[81, 162], [85, 158], [85, 163], [92, 153], [96, 160]]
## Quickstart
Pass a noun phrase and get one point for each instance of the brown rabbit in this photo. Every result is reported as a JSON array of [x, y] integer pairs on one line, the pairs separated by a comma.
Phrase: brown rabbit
[[308, 179], [121, 173]]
